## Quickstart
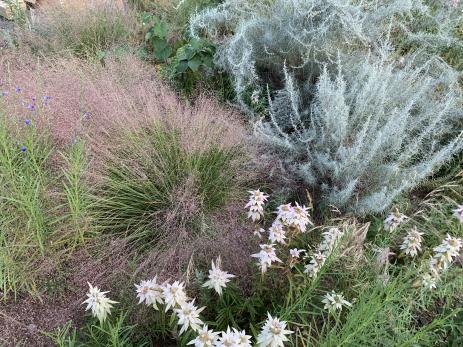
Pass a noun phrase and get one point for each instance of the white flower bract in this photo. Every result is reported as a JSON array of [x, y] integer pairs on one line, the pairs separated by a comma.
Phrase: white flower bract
[[273, 333], [188, 316], [255, 97], [98, 303], [218, 278], [205, 338], [334, 301], [296, 217], [255, 204], [316, 262], [242, 340], [458, 213], [266, 256], [393, 220], [174, 294], [150, 292], [411, 244], [227, 339], [428, 281], [295, 253], [277, 233]]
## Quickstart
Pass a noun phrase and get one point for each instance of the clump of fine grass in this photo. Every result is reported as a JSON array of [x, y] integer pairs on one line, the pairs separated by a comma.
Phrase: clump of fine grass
[[23, 204], [76, 193], [37, 227], [85, 29], [153, 182]]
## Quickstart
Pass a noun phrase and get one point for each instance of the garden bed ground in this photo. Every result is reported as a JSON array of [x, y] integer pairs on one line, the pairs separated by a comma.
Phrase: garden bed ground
[[171, 157]]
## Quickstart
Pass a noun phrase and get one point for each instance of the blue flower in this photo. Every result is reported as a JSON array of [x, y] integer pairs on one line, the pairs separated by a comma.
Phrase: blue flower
[[23, 149], [31, 107], [46, 98], [27, 121], [17, 90], [4, 93]]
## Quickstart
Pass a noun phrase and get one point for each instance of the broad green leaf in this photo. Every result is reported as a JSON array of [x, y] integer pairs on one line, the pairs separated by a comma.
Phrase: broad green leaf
[[194, 64]]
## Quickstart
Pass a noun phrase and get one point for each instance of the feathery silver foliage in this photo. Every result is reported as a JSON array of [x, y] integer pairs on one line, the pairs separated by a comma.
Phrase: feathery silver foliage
[[343, 115]]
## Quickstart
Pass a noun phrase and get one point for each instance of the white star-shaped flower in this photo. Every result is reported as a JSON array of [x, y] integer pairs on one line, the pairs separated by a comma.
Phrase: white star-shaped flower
[[188, 317], [273, 333], [218, 278], [334, 302], [98, 303]]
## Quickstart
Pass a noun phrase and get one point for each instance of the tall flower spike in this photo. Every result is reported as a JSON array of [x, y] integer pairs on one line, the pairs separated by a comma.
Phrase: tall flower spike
[[330, 240], [98, 303], [277, 233], [266, 256], [273, 333], [218, 278], [411, 244], [255, 204]]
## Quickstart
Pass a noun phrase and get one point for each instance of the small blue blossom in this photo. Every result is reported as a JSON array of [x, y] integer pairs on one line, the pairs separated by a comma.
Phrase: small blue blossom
[[46, 98], [23, 149], [34, 99], [17, 90], [31, 107], [27, 121], [4, 93]]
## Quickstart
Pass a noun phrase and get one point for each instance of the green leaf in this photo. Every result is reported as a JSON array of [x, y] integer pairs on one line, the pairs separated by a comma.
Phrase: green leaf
[[163, 54], [197, 44], [159, 44], [194, 64], [161, 49], [182, 66], [181, 54], [207, 61], [160, 29]]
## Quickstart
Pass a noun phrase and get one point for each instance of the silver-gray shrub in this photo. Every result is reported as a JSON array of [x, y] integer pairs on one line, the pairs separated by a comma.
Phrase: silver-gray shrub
[[370, 132], [344, 115]]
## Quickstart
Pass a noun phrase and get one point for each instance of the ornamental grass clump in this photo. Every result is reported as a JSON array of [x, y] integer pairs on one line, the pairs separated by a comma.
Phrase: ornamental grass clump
[[345, 116], [82, 28], [153, 187]]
